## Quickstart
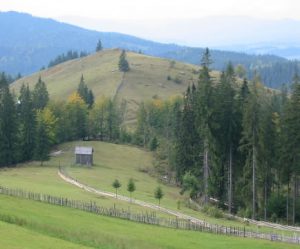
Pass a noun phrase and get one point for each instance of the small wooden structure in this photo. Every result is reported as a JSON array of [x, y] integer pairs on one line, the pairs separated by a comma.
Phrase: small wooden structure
[[84, 155]]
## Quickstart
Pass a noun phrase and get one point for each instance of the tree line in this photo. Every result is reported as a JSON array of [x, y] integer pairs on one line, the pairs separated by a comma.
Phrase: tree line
[[230, 141], [30, 124], [70, 55]]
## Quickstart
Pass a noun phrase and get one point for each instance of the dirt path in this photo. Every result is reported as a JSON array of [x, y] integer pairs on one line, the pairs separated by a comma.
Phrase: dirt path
[[72, 181], [192, 219]]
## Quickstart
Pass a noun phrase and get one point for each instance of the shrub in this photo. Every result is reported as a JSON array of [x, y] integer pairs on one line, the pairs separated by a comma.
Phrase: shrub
[[213, 211]]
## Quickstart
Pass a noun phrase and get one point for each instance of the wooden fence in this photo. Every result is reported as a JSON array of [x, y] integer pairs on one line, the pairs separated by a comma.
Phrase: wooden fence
[[147, 218]]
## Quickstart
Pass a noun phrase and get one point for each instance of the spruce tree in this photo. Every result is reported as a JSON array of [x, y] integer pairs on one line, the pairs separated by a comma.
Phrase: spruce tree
[[123, 63], [291, 144], [85, 93], [27, 123], [250, 136], [42, 141], [8, 126], [188, 143], [225, 135], [40, 95], [204, 105], [131, 187], [99, 46]]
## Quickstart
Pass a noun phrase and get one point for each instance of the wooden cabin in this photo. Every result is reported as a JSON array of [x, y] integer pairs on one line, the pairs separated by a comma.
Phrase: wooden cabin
[[84, 155]]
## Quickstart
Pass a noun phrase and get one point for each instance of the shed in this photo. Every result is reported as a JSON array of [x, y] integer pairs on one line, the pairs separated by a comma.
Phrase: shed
[[84, 155]]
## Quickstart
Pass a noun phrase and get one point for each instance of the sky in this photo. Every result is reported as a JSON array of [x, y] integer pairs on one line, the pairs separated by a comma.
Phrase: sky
[[188, 22], [156, 9]]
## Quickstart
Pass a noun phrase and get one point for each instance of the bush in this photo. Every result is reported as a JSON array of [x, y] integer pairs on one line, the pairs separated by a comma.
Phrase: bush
[[244, 213], [177, 80], [213, 211], [169, 77], [277, 206]]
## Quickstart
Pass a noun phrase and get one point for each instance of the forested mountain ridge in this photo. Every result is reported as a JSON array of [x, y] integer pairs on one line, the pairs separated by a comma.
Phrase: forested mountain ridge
[[28, 43]]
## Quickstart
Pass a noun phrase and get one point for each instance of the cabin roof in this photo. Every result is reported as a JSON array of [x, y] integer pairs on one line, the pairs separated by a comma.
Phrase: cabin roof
[[83, 150]]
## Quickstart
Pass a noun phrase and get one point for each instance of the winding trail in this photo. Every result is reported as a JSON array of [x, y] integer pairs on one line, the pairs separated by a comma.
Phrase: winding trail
[[180, 215], [87, 188]]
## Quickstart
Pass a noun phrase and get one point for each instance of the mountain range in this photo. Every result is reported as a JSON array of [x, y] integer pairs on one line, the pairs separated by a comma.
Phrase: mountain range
[[28, 43]]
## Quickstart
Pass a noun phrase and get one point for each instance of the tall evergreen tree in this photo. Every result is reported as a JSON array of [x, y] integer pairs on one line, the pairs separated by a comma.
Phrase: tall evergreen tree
[[123, 63], [204, 103], [27, 123], [99, 46], [85, 93], [225, 134], [45, 134], [8, 126], [291, 145], [250, 137], [188, 143], [40, 95]]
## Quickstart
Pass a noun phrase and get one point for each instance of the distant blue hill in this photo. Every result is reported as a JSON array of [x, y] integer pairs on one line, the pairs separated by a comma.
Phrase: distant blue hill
[[28, 43]]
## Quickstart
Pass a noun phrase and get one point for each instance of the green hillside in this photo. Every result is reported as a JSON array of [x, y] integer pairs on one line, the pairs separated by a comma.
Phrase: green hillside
[[59, 227], [147, 79], [112, 161]]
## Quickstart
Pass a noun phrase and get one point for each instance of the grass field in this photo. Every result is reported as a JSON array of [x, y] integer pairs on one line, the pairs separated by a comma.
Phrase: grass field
[[39, 225], [111, 161]]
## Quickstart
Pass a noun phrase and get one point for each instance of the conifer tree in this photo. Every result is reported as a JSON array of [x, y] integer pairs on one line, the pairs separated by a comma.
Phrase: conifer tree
[[85, 93], [123, 63], [291, 144], [225, 134], [99, 46], [45, 134], [8, 126], [40, 95], [250, 136], [188, 143], [27, 123], [204, 104]]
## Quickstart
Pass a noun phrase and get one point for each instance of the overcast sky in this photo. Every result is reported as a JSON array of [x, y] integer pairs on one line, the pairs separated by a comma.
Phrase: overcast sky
[[155, 9]]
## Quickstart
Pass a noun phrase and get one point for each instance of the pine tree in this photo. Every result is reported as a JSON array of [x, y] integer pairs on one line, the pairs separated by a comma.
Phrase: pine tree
[[225, 135], [188, 142], [90, 99], [204, 104], [45, 134], [40, 95], [99, 46], [250, 136], [85, 93], [123, 63], [131, 187], [27, 123], [142, 131], [8, 126], [291, 143]]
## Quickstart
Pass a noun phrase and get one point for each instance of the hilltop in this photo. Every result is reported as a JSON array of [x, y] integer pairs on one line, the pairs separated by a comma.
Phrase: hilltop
[[149, 78]]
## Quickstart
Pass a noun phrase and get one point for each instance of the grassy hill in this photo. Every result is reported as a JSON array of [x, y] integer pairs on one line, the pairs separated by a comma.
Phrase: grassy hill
[[149, 77]]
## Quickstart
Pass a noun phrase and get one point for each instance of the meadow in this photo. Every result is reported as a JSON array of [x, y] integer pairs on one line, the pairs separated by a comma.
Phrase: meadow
[[38, 225], [112, 161]]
